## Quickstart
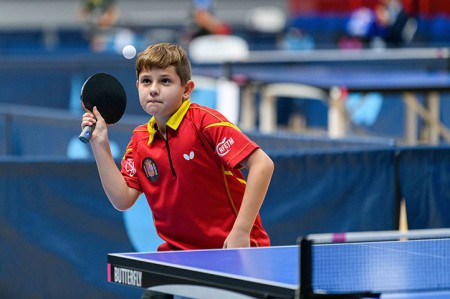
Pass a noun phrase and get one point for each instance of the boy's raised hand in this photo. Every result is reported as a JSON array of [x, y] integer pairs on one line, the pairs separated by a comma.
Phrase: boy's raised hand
[[100, 134]]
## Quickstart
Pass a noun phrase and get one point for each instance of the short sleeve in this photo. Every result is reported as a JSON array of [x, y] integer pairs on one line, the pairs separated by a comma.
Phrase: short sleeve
[[230, 144]]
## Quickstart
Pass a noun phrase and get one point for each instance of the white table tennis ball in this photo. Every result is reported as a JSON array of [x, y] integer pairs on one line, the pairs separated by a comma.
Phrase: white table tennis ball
[[129, 52]]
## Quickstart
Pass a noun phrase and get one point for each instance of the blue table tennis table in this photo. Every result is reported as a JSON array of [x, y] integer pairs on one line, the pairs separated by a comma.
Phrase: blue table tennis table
[[408, 269], [321, 83]]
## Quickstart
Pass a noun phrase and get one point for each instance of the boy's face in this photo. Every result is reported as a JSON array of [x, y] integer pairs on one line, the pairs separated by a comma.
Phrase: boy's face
[[161, 93]]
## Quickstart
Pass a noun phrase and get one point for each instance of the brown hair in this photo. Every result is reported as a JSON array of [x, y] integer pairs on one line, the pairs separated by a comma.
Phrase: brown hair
[[163, 55]]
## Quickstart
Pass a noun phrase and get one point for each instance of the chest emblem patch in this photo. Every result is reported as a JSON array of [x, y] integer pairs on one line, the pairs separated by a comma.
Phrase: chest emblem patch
[[150, 169]]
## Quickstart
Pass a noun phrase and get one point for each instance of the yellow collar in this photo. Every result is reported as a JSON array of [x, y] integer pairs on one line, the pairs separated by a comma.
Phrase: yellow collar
[[173, 122]]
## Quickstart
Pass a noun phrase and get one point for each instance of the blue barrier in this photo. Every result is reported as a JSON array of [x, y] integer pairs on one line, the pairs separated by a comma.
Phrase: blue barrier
[[331, 191], [56, 227], [424, 182]]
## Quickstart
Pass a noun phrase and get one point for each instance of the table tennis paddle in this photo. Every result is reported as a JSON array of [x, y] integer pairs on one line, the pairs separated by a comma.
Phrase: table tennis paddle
[[106, 93]]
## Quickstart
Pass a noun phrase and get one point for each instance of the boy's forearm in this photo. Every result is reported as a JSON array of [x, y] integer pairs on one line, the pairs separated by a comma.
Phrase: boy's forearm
[[260, 173], [114, 185]]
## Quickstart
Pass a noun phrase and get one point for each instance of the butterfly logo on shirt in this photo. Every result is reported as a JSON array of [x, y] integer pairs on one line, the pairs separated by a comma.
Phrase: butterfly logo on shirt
[[189, 157]]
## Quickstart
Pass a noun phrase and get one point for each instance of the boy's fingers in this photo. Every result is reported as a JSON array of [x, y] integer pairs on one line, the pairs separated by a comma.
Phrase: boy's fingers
[[97, 114]]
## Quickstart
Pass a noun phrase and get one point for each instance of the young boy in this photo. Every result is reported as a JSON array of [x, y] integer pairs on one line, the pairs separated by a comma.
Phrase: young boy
[[186, 160]]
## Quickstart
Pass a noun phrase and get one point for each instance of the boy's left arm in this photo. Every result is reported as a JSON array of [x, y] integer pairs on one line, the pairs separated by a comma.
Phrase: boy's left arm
[[260, 169]]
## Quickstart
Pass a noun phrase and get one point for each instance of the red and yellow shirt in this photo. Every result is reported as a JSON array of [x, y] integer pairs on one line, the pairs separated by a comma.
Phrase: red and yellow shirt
[[191, 179]]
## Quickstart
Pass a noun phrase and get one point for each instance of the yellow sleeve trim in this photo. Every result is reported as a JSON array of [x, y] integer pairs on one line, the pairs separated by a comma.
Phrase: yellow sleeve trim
[[223, 124]]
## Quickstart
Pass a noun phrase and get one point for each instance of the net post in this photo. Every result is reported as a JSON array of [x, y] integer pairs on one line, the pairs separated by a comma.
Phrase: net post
[[306, 266]]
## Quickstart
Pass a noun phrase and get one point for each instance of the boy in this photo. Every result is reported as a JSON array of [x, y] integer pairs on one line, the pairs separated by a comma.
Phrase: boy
[[186, 160]]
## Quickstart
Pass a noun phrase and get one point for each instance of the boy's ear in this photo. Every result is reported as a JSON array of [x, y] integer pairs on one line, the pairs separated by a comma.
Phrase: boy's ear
[[188, 89]]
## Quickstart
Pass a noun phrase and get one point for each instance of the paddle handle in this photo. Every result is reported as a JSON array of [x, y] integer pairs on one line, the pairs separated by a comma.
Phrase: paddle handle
[[86, 134]]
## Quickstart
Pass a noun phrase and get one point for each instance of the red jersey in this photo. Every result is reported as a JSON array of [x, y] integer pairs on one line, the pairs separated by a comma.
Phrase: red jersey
[[191, 179]]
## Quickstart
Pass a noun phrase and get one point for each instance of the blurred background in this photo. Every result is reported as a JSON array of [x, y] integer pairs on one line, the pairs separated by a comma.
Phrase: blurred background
[[347, 96]]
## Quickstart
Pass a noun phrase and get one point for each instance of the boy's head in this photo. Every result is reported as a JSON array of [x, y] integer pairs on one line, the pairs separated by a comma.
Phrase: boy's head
[[163, 55]]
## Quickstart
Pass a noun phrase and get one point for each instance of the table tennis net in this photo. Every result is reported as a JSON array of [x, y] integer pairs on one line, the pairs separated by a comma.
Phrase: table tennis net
[[411, 264]]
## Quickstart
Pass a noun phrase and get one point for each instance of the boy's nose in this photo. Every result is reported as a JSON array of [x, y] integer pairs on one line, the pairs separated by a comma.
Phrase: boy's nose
[[154, 92]]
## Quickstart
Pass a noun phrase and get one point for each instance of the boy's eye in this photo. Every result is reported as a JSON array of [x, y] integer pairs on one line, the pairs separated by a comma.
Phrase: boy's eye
[[145, 80], [165, 81]]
